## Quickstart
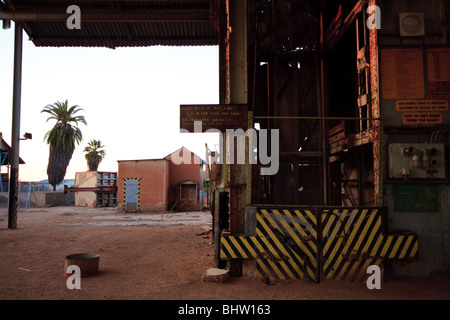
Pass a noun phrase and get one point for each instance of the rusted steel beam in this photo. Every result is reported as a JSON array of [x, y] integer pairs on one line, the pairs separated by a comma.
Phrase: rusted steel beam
[[115, 16], [337, 30], [377, 126]]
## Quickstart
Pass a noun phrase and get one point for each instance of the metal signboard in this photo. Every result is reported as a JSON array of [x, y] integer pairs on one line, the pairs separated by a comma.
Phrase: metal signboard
[[215, 116]]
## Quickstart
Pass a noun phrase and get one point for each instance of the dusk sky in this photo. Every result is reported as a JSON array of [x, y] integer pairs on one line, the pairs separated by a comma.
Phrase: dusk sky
[[130, 97]]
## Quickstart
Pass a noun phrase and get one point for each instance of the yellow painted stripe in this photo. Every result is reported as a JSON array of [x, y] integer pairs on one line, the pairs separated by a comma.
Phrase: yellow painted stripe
[[354, 231], [333, 220], [281, 262], [272, 251], [349, 241], [334, 251], [249, 247], [238, 247], [337, 246], [332, 235], [355, 266], [386, 246], [260, 262], [340, 275], [267, 272], [364, 232], [326, 227], [280, 246], [311, 216], [302, 232], [406, 247], [257, 244], [366, 264], [298, 241], [376, 247], [292, 262], [373, 233], [311, 227], [228, 247], [352, 214], [396, 247]]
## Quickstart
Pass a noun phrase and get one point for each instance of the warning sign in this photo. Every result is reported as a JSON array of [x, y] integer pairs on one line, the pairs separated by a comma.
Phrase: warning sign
[[423, 118], [438, 62], [439, 90], [402, 73], [218, 117], [421, 105]]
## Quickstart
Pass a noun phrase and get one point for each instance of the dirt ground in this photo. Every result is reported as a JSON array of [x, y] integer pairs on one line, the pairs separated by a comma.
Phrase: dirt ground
[[152, 257]]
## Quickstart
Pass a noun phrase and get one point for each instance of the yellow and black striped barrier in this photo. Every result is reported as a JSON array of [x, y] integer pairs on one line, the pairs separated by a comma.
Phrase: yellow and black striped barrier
[[317, 243], [285, 245], [353, 239], [132, 202]]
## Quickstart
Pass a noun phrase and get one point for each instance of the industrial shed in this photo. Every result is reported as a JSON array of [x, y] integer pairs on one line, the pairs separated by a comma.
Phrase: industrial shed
[[359, 93], [157, 185], [185, 180]]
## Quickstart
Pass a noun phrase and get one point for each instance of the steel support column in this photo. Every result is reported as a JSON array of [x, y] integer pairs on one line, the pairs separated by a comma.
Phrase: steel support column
[[238, 94], [322, 101], [376, 113], [221, 184], [15, 136]]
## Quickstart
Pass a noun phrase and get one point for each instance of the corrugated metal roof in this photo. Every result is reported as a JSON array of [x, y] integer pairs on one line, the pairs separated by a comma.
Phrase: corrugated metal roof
[[115, 23], [5, 153]]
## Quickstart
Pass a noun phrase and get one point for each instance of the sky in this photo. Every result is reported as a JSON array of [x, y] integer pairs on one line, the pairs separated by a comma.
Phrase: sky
[[130, 96]]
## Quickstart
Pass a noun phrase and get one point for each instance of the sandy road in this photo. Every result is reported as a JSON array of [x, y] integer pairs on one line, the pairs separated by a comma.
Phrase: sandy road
[[152, 257]]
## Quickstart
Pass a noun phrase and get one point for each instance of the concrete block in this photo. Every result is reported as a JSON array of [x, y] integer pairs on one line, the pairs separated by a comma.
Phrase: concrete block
[[216, 275]]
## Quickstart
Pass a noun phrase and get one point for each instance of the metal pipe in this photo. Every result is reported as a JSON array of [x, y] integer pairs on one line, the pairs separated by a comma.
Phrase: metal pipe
[[15, 136], [6, 24], [315, 118]]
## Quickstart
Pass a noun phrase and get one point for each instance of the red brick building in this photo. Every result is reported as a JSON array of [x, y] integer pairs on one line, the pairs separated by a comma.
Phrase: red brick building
[[172, 183], [186, 180]]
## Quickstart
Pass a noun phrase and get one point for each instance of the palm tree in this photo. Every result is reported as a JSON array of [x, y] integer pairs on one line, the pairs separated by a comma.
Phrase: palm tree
[[94, 154], [62, 138]]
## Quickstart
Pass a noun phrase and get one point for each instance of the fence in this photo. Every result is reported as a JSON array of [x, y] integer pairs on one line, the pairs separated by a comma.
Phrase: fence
[[34, 195]]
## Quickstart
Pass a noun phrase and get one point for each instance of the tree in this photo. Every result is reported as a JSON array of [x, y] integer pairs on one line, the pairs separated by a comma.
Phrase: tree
[[94, 154], [62, 138]]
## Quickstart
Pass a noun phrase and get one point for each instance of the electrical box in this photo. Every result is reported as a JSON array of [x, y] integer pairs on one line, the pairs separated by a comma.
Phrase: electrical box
[[416, 161]]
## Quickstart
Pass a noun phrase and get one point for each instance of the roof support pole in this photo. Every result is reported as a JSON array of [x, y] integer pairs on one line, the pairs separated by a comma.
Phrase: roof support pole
[[238, 94], [220, 187], [15, 136]]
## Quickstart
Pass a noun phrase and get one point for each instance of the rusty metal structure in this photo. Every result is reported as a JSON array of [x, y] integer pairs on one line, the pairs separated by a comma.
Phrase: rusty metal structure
[[358, 94], [328, 75]]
